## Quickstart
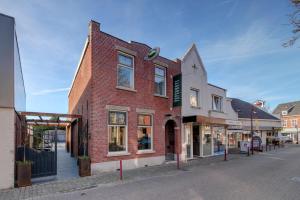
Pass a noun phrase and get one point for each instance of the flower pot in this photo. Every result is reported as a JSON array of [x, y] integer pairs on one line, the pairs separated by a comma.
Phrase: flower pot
[[84, 166], [23, 174]]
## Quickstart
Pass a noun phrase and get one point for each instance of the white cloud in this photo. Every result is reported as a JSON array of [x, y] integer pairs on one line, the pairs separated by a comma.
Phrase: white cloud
[[254, 41], [49, 91]]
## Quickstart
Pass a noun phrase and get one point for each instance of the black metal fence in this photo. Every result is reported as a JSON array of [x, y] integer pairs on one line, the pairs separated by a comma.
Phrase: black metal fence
[[44, 163]]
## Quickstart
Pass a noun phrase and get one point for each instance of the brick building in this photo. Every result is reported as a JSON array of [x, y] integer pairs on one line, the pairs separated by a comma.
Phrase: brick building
[[289, 114], [126, 102]]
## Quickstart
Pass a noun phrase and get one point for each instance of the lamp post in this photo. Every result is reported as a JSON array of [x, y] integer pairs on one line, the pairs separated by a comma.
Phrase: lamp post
[[297, 134], [252, 133]]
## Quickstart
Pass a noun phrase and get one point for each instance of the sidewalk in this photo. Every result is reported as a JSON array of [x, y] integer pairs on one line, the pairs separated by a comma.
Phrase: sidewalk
[[112, 178]]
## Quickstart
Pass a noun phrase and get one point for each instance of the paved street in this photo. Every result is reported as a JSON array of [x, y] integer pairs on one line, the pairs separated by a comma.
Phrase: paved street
[[269, 175]]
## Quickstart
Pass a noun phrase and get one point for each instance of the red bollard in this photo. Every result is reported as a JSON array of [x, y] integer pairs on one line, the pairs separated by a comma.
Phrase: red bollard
[[121, 170], [225, 155], [177, 160], [248, 153]]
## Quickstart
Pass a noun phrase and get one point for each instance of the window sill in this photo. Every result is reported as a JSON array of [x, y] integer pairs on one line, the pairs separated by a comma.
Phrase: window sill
[[217, 111], [144, 151], [114, 154], [162, 96], [125, 88], [196, 107]]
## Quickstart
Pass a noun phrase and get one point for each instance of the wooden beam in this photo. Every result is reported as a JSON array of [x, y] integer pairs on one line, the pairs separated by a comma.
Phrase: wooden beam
[[49, 124], [49, 114], [48, 121]]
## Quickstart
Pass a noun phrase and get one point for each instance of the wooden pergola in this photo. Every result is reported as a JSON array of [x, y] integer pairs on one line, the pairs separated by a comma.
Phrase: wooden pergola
[[40, 118]]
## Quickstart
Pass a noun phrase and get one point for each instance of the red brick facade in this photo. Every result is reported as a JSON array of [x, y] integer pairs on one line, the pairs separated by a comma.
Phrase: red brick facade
[[95, 88]]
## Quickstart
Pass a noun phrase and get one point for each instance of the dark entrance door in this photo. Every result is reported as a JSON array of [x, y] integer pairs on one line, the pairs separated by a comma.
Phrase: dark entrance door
[[170, 140], [196, 141]]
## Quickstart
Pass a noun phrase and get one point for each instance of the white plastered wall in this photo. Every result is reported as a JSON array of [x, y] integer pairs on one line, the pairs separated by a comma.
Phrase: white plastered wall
[[7, 144]]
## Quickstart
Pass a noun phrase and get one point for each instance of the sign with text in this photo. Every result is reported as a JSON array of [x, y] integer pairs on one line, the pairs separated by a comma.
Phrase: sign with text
[[177, 93]]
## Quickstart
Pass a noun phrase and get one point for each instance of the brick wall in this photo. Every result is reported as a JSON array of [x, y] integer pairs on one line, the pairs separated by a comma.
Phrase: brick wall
[[103, 55]]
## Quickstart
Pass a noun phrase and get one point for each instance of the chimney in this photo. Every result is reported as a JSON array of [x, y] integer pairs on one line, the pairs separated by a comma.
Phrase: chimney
[[94, 27]]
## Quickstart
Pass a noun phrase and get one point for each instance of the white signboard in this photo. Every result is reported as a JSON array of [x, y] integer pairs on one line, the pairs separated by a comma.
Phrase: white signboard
[[244, 146]]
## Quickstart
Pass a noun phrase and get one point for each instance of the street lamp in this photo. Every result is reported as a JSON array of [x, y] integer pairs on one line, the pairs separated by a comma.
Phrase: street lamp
[[252, 133], [296, 126]]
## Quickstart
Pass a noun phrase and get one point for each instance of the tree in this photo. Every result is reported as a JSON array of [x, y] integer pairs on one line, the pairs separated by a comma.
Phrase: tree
[[294, 20]]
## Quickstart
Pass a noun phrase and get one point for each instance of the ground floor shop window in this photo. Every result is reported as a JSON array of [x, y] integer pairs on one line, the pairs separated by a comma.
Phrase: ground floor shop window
[[117, 126], [144, 132], [219, 139], [207, 141]]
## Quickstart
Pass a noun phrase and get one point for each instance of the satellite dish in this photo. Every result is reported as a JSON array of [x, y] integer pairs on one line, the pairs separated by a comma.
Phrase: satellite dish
[[153, 53]]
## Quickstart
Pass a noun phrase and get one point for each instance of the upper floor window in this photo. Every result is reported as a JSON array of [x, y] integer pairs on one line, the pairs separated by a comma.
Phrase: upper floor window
[[125, 71], [160, 81], [217, 103], [284, 123], [294, 123], [194, 97]]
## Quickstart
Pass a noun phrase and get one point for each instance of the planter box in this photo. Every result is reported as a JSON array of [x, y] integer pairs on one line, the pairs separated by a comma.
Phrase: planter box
[[23, 174], [84, 167]]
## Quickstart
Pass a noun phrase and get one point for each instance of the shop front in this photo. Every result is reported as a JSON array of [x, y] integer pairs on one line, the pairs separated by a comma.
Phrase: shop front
[[203, 139]]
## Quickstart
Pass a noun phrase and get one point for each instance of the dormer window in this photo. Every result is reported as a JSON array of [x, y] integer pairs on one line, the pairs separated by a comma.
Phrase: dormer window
[[284, 112], [217, 103]]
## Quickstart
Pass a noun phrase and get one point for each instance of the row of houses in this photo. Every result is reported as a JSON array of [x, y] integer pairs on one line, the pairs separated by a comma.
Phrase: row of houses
[[145, 109]]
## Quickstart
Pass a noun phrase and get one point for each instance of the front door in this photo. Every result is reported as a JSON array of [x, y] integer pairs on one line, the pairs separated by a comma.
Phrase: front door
[[170, 140], [196, 141]]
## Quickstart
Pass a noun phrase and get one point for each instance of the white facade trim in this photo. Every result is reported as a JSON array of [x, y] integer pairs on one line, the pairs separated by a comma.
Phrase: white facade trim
[[127, 164], [79, 63]]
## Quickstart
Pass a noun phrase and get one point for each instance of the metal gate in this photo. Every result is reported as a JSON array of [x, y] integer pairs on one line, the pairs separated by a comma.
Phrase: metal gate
[[43, 156]]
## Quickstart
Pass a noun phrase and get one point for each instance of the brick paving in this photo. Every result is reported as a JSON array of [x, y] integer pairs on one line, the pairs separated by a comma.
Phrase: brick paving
[[109, 178]]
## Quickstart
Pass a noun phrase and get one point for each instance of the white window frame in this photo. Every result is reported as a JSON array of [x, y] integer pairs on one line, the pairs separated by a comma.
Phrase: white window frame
[[221, 102], [284, 123], [165, 78], [152, 125], [294, 123], [126, 66], [112, 153], [197, 92]]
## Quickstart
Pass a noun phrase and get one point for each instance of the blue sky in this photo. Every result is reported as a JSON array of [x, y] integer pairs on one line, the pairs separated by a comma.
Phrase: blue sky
[[239, 42]]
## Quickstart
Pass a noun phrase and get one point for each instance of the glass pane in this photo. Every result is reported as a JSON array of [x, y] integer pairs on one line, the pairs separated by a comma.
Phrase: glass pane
[[206, 141], [159, 71], [125, 60], [216, 103], [125, 77], [194, 98], [219, 139], [117, 118], [160, 85], [117, 138], [144, 120], [144, 138]]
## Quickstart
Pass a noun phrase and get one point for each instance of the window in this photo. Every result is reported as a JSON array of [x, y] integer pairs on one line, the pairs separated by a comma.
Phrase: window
[[194, 97], [160, 81], [217, 103], [144, 132], [284, 123], [294, 123], [117, 125], [125, 71]]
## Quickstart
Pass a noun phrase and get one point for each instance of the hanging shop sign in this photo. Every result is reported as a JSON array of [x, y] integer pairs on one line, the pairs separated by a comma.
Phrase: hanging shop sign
[[177, 93], [153, 53]]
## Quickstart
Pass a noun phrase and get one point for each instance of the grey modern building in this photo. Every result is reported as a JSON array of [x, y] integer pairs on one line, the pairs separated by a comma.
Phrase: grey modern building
[[12, 98]]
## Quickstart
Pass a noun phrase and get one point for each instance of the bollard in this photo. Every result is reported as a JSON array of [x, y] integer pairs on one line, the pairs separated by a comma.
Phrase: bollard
[[274, 146], [270, 147], [177, 160], [248, 153], [225, 155], [121, 170], [266, 147]]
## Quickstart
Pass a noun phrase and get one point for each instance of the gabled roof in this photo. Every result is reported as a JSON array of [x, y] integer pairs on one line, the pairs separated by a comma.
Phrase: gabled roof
[[190, 50], [292, 108], [244, 108]]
